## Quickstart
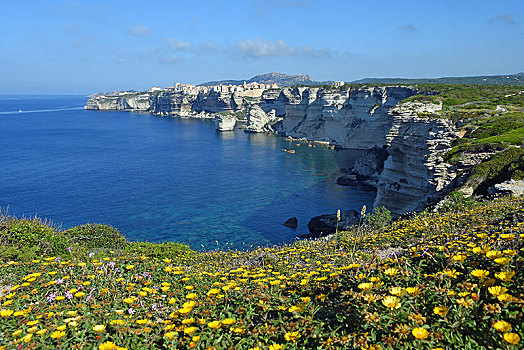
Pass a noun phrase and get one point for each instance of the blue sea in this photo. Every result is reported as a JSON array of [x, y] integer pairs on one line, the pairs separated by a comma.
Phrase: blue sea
[[162, 178]]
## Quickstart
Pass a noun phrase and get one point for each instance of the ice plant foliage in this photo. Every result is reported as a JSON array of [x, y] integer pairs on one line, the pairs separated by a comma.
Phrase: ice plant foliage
[[454, 283]]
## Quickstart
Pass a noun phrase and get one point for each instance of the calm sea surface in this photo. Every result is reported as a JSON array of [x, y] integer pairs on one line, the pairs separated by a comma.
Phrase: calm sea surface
[[160, 178]]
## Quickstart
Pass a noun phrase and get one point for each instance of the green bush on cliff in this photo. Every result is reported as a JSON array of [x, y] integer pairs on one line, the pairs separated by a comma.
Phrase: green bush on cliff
[[503, 166]]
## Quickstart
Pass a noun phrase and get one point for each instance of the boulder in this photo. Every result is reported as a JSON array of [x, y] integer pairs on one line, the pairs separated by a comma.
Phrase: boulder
[[291, 222], [326, 224], [347, 180]]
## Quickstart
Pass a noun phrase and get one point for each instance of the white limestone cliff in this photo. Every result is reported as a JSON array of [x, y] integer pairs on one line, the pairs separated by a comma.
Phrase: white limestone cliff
[[402, 143]]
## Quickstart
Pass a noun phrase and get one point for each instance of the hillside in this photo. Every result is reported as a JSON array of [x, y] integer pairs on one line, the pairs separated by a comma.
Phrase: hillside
[[512, 79], [268, 78], [445, 280]]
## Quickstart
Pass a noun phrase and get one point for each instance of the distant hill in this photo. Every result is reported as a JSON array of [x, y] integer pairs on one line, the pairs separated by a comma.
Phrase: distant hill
[[269, 78], [513, 79]]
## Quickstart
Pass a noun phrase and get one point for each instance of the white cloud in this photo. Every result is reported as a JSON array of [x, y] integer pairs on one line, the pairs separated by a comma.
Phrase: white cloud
[[312, 52], [139, 30], [258, 48], [171, 59], [179, 45]]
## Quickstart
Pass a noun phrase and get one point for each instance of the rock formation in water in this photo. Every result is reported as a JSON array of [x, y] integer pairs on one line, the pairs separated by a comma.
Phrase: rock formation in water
[[225, 122], [402, 144]]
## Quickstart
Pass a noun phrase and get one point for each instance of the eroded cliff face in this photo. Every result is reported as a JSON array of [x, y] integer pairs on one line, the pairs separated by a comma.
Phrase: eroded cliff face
[[404, 151], [170, 103], [402, 144]]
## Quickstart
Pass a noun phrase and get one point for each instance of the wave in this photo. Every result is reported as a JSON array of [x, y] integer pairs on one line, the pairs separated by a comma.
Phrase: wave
[[44, 110]]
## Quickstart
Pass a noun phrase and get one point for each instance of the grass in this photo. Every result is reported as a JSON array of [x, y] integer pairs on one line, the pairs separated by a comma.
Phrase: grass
[[453, 282]]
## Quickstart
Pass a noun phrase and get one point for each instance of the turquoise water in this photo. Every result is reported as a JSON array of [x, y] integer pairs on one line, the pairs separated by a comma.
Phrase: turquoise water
[[161, 178]]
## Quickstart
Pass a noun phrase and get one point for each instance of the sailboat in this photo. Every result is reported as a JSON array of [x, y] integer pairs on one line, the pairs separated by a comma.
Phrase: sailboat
[[19, 110]]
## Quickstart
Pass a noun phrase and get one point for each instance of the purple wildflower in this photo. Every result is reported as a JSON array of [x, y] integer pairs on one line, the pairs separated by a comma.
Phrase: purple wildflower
[[68, 295], [59, 281], [51, 297], [91, 255], [131, 311]]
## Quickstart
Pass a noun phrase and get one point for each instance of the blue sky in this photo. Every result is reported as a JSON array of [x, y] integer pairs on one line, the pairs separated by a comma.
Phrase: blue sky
[[86, 46]]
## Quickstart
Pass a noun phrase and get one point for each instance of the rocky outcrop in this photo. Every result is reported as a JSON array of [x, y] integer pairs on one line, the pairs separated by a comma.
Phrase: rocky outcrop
[[260, 121], [225, 122], [415, 174], [328, 224], [291, 222]]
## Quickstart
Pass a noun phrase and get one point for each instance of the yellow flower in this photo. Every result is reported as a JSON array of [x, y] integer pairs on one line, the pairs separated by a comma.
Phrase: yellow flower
[[6, 313], [61, 328], [42, 331], [17, 333], [459, 257], [99, 328], [440, 310], [503, 261], [195, 338], [505, 276], [129, 300], [170, 335], [214, 324], [130, 267], [142, 321], [497, 290], [57, 334], [32, 329], [108, 345], [502, 326], [392, 271], [413, 290], [292, 336], [188, 321], [505, 298], [512, 338], [27, 338], [391, 302], [80, 294], [276, 347], [365, 286], [420, 333], [397, 291], [212, 292], [191, 296], [190, 330], [480, 273], [228, 321], [493, 254]]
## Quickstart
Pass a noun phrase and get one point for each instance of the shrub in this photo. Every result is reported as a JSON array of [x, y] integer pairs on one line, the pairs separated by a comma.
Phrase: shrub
[[24, 239], [380, 218], [456, 201], [93, 236]]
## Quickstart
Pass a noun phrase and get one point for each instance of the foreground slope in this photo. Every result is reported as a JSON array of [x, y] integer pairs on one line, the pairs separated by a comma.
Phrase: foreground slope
[[436, 280]]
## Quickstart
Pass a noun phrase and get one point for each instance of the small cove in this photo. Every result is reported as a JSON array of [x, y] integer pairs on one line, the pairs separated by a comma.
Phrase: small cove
[[162, 178]]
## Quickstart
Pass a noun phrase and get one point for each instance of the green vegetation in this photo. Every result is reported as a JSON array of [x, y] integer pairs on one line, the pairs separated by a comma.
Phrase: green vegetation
[[28, 239], [513, 79], [380, 218], [448, 280]]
